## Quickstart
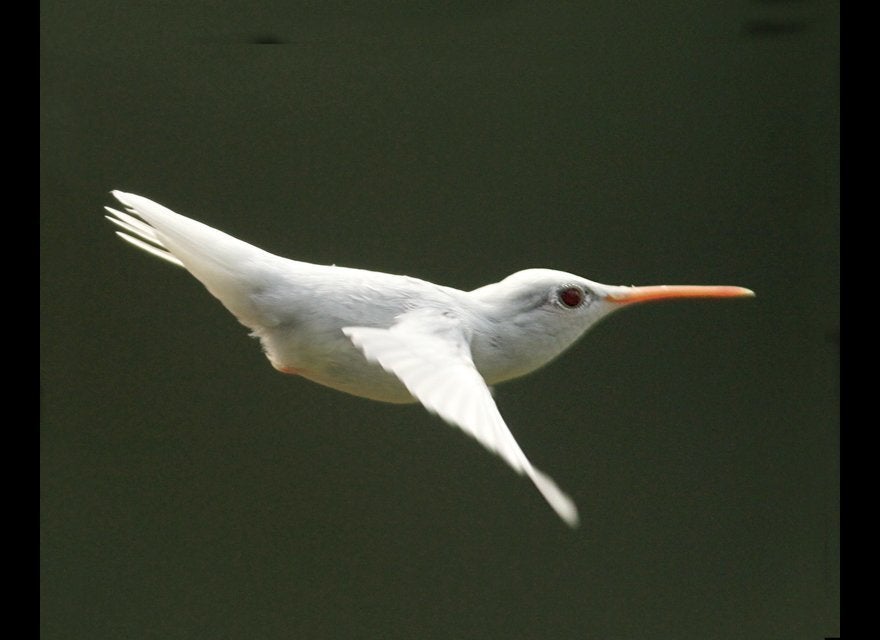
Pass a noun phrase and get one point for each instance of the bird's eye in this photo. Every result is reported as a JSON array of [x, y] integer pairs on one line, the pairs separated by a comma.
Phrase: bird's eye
[[571, 297]]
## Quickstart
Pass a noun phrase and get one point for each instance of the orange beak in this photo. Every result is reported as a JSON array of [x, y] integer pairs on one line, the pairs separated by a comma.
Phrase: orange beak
[[628, 295]]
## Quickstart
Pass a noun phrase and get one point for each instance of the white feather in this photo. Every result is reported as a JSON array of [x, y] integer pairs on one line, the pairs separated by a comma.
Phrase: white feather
[[429, 352], [395, 338]]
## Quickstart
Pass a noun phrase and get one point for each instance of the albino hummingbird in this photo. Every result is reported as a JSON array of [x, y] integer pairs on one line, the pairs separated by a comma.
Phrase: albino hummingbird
[[396, 338]]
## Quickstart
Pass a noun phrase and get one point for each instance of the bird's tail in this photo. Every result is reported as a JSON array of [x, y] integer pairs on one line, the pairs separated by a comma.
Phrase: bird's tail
[[230, 269]]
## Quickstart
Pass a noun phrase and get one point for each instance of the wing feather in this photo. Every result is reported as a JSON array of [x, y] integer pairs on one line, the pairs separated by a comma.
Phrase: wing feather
[[429, 353]]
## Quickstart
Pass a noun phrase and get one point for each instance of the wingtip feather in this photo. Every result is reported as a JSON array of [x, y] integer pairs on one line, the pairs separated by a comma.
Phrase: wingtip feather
[[562, 504]]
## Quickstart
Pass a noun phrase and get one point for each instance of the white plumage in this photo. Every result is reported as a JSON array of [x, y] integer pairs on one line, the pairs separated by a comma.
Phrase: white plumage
[[395, 338]]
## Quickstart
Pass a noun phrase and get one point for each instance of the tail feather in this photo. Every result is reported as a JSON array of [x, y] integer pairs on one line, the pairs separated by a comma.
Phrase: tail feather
[[232, 270], [159, 252], [134, 226]]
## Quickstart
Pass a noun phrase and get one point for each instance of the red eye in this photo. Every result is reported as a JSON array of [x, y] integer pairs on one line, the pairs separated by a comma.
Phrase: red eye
[[571, 297]]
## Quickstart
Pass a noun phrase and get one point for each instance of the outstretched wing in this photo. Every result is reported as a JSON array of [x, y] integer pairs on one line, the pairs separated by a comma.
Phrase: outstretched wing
[[429, 352]]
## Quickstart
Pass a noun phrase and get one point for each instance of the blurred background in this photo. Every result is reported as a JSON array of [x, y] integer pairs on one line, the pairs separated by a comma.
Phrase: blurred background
[[190, 491]]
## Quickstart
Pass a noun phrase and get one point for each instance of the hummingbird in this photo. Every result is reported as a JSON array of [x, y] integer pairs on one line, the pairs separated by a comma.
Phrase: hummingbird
[[396, 338]]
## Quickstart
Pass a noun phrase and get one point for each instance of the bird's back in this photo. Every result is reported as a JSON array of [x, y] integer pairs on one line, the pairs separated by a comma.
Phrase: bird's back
[[296, 309]]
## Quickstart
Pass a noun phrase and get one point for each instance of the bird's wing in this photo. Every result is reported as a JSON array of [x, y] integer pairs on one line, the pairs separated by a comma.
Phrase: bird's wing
[[429, 352]]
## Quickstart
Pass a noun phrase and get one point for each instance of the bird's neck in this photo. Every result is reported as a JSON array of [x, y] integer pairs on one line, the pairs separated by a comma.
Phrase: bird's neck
[[504, 347]]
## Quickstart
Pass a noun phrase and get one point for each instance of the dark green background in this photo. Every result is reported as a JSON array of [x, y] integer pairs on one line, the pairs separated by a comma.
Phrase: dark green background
[[190, 491]]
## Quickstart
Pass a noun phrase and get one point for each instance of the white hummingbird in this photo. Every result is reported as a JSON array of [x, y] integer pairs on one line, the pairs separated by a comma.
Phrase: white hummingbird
[[395, 338]]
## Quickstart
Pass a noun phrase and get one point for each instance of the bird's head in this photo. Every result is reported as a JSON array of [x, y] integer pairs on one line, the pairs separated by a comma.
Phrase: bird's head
[[536, 314]]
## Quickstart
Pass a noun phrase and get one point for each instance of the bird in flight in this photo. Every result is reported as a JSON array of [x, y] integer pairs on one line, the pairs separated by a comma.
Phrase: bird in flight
[[396, 338]]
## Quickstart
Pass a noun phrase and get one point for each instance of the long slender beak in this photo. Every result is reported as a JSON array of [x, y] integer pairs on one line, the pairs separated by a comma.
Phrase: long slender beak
[[628, 295]]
